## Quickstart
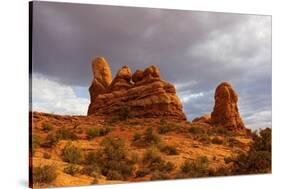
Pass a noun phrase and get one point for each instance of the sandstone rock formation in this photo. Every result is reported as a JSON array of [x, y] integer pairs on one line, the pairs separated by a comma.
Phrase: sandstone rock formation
[[225, 112], [202, 119], [102, 77], [144, 93]]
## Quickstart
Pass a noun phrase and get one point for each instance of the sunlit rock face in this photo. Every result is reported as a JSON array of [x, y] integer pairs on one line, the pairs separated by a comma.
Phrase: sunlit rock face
[[144, 93], [225, 112]]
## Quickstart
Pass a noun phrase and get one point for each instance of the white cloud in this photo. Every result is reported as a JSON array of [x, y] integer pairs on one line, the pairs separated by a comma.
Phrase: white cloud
[[53, 97], [187, 98], [261, 119]]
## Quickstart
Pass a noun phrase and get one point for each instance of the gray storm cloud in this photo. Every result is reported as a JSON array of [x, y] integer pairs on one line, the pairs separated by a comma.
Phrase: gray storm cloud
[[194, 50]]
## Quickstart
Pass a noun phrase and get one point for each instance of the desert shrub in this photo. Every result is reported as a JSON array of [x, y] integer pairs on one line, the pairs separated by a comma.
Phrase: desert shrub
[[165, 127], [262, 141], [44, 174], [92, 133], [124, 113], [104, 131], [217, 140], [142, 172], [66, 134], [46, 155], [35, 143], [91, 158], [114, 175], [222, 131], [46, 127], [169, 150], [233, 142], [157, 175], [151, 155], [91, 170], [204, 138], [95, 132], [197, 167], [150, 137], [221, 171], [257, 159], [162, 166], [195, 130], [136, 136], [50, 140], [134, 158], [71, 169], [113, 158], [71, 153]]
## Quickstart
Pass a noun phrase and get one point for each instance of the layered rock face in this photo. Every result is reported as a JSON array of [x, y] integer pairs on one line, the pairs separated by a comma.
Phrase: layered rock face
[[225, 112], [144, 93]]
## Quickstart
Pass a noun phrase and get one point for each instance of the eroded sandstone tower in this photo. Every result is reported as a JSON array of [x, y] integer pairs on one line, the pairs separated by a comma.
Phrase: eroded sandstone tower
[[144, 92], [225, 112]]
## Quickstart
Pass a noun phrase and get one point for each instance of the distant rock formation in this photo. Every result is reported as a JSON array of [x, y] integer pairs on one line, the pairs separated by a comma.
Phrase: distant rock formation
[[225, 112], [144, 92], [202, 119]]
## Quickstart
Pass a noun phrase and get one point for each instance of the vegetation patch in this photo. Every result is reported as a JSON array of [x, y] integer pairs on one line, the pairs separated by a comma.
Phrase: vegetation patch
[[71, 169], [47, 155], [44, 174], [217, 140], [46, 127], [257, 159], [196, 168], [71, 154]]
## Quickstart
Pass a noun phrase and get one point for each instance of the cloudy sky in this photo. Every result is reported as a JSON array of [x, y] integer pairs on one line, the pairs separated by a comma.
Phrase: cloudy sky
[[194, 50]]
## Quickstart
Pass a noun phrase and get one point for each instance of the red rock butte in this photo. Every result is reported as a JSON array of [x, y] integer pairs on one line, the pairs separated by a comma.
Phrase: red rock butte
[[143, 92]]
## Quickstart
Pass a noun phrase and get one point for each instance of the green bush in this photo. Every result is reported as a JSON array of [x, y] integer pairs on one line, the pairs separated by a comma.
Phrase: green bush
[[233, 142], [114, 175], [134, 158], [104, 131], [136, 136], [92, 133], [113, 158], [204, 138], [71, 169], [217, 140], [46, 155], [222, 131], [257, 159], [221, 171], [91, 170], [197, 167], [165, 127], [46, 127], [36, 142], [91, 158], [44, 174], [50, 140], [151, 155], [142, 172], [169, 150], [71, 153], [262, 141], [150, 137], [66, 134]]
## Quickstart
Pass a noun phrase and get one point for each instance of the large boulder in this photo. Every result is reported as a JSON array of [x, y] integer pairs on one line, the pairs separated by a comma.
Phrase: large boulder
[[145, 94], [225, 112]]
